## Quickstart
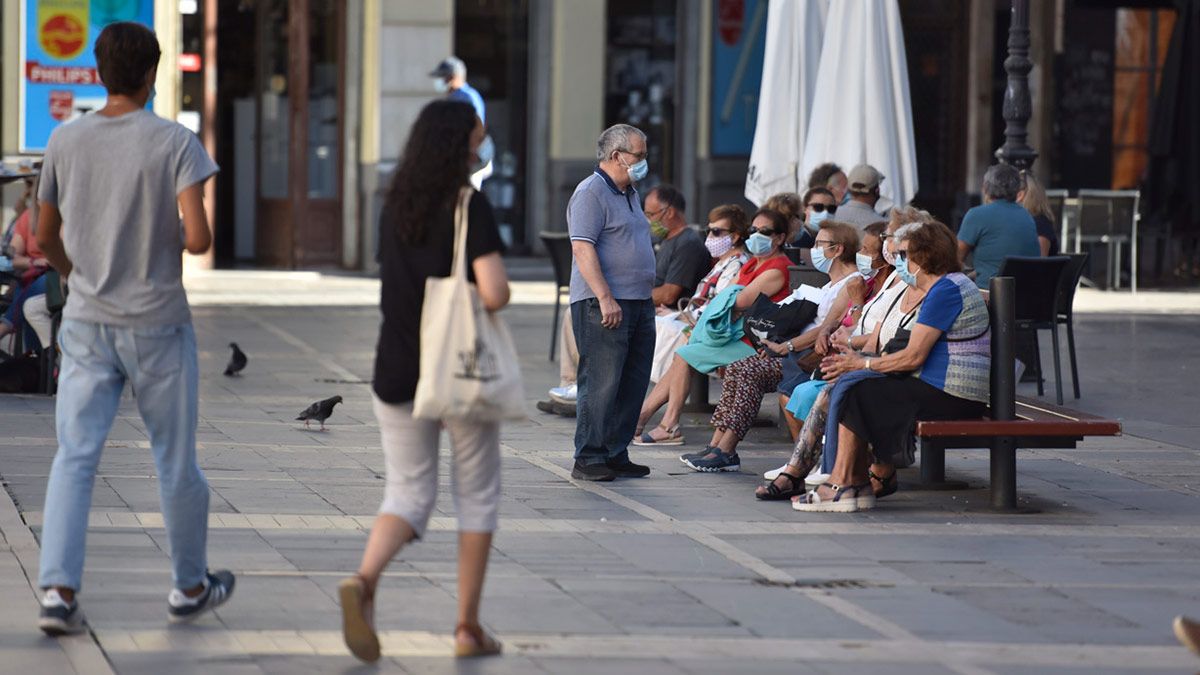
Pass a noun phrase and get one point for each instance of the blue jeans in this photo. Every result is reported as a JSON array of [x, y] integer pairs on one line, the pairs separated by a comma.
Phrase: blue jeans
[[614, 371], [159, 362], [14, 317]]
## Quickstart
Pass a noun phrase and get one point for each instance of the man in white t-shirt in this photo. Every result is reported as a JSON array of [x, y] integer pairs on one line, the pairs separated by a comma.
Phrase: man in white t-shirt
[[113, 184]]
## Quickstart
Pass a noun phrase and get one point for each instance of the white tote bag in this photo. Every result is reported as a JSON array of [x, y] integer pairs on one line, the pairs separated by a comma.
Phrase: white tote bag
[[469, 366]]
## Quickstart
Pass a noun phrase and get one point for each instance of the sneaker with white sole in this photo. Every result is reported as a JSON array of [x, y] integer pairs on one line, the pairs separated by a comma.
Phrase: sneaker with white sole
[[218, 587], [687, 456], [716, 461], [59, 617], [566, 394], [815, 478], [773, 473]]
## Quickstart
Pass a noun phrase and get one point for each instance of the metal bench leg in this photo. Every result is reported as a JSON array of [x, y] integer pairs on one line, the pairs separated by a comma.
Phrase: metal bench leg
[[933, 468], [1004, 473], [697, 400]]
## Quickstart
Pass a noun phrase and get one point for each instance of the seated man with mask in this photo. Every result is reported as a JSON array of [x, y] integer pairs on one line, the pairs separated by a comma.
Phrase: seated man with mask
[[681, 259]]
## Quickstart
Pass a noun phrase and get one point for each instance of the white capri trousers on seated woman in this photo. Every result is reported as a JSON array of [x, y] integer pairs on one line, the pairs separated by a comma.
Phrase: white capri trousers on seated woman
[[410, 451]]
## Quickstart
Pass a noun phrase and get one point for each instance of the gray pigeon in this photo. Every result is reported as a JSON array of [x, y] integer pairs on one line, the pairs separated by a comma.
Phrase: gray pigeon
[[237, 360], [319, 411]]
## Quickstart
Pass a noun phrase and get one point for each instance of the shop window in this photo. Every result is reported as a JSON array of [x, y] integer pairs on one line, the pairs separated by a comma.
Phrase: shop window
[[1141, 48], [640, 77]]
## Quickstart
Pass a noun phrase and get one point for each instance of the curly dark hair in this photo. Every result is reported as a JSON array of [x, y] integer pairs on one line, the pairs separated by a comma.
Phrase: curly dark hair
[[433, 168], [125, 53], [820, 176]]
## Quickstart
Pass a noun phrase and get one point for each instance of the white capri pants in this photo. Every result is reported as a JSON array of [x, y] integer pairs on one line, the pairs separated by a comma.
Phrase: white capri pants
[[410, 452]]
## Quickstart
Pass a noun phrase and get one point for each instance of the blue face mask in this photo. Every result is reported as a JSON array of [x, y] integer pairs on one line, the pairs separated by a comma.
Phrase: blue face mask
[[906, 276], [759, 244], [865, 264], [638, 171], [815, 220], [819, 260], [484, 154]]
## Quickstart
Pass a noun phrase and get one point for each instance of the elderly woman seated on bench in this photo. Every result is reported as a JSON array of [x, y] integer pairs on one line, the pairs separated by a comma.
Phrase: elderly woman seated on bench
[[942, 373]]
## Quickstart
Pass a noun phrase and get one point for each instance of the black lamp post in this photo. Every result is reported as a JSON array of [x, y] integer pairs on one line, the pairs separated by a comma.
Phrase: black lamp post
[[1017, 106]]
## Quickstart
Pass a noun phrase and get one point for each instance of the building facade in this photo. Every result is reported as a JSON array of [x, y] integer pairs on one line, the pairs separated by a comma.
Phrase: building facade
[[305, 103]]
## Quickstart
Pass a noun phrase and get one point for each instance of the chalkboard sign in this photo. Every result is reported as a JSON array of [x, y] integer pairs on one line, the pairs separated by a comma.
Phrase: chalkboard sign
[[1083, 121]]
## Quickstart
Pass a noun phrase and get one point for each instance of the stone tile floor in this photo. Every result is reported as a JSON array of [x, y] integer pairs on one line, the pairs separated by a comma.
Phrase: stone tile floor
[[676, 573]]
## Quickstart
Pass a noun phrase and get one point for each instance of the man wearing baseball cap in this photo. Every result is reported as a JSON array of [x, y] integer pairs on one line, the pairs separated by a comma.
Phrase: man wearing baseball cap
[[450, 78], [860, 212]]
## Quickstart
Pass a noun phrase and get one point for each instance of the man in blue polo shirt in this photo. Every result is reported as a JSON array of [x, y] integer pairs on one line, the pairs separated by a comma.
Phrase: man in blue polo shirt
[[450, 78], [612, 279]]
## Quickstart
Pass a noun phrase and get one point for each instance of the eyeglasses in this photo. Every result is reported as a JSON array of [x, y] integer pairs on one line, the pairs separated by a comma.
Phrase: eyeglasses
[[639, 155], [826, 243], [765, 233], [717, 231], [651, 215], [818, 208], [902, 255]]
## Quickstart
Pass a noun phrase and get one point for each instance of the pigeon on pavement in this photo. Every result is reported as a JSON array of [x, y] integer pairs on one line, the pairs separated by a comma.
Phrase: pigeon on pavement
[[237, 360], [319, 411]]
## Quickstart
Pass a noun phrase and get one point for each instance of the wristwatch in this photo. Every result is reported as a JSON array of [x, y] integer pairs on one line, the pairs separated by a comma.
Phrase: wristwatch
[[867, 363], [791, 347]]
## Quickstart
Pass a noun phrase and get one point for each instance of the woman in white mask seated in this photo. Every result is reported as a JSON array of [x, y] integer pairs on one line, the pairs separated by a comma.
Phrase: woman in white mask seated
[[728, 227]]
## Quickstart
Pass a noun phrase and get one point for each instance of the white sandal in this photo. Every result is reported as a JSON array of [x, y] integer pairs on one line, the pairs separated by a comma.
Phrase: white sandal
[[841, 502]]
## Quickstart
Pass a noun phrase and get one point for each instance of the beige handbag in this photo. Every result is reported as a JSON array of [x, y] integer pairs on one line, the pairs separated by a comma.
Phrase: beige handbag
[[469, 366]]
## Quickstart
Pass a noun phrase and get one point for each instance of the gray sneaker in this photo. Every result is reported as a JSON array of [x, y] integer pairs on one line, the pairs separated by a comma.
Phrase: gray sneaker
[[697, 455], [716, 461], [59, 617], [218, 587]]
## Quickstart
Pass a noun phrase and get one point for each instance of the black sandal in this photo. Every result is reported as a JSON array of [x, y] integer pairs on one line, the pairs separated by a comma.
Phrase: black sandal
[[774, 493], [890, 484]]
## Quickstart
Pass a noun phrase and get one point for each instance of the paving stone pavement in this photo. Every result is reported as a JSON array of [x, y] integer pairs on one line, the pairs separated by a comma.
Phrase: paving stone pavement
[[676, 573]]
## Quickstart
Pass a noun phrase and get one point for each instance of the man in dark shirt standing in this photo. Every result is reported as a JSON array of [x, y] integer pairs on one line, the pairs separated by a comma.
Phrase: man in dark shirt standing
[[682, 260]]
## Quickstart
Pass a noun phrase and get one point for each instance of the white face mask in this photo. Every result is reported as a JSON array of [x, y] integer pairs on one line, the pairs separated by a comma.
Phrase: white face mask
[[887, 255], [440, 86], [718, 246]]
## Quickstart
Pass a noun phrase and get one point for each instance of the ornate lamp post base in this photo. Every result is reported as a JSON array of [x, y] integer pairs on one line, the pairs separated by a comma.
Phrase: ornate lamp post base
[[1017, 107]]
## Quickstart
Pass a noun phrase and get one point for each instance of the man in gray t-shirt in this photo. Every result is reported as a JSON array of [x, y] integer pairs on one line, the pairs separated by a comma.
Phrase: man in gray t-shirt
[[113, 186]]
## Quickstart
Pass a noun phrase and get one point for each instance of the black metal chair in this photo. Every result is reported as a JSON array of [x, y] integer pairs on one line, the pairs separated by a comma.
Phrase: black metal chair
[[1068, 284], [558, 244], [1037, 282]]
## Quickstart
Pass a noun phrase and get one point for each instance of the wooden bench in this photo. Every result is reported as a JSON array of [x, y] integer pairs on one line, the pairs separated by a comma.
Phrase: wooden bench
[[1038, 425], [1014, 422]]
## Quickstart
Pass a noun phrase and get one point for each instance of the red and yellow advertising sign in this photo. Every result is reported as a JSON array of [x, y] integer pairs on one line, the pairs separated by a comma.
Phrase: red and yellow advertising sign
[[63, 27]]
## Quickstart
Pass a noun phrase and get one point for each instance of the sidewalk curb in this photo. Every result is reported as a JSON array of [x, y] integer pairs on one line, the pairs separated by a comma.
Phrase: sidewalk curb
[[82, 650]]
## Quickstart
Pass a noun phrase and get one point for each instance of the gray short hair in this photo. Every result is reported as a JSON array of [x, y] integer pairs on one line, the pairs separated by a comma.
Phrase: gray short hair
[[615, 137], [1002, 182], [905, 230]]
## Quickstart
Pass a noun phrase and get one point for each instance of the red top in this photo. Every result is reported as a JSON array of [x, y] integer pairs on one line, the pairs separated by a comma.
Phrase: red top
[[756, 266], [22, 228]]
